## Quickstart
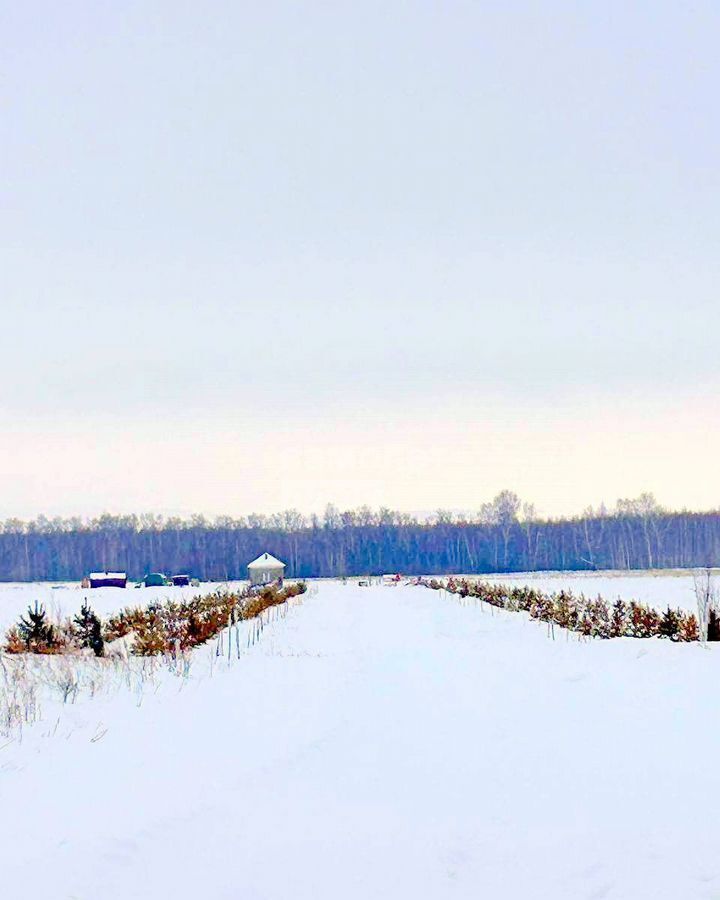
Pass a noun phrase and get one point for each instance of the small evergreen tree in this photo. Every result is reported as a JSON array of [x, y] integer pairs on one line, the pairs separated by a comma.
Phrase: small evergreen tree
[[599, 615], [670, 625], [651, 622], [713, 633], [618, 621], [88, 630], [37, 633]]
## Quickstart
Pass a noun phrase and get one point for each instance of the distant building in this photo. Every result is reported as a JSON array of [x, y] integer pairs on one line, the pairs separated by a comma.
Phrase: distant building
[[155, 579], [107, 579], [180, 580], [266, 569]]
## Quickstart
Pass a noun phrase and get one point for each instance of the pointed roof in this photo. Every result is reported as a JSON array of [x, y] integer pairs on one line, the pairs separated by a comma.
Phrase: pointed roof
[[264, 561]]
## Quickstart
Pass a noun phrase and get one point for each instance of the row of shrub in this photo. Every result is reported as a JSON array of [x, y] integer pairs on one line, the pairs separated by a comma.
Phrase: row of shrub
[[157, 628], [587, 616]]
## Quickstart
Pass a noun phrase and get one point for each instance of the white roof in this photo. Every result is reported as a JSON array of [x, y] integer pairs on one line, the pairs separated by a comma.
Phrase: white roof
[[108, 575], [266, 561]]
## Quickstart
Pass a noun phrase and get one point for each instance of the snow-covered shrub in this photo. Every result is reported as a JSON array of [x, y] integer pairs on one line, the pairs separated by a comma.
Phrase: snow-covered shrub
[[637, 620], [619, 622], [13, 642], [494, 594], [542, 607], [122, 623], [652, 622], [524, 597], [689, 629], [169, 628], [585, 620], [173, 628], [599, 614], [150, 633], [566, 610]]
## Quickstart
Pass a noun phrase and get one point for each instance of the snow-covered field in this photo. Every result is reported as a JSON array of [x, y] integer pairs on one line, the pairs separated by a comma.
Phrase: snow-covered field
[[383, 742]]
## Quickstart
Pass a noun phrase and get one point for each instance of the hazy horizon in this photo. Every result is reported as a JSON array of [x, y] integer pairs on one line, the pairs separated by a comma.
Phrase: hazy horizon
[[390, 254]]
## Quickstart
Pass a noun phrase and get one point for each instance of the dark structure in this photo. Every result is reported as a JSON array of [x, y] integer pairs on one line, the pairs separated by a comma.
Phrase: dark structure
[[108, 579], [180, 580]]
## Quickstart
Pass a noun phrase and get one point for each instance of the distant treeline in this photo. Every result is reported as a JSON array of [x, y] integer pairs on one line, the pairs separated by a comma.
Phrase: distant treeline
[[504, 536]]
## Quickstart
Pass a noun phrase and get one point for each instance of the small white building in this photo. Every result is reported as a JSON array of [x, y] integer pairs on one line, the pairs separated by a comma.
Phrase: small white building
[[265, 569]]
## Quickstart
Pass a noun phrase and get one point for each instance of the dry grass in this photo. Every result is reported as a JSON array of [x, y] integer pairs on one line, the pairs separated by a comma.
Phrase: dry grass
[[139, 643]]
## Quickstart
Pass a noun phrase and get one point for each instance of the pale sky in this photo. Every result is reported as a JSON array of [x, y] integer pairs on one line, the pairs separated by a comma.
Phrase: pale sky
[[258, 256]]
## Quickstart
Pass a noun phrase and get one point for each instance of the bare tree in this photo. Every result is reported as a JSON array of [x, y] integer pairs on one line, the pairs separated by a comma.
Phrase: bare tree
[[502, 513], [647, 510], [707, 598], [532, 534]]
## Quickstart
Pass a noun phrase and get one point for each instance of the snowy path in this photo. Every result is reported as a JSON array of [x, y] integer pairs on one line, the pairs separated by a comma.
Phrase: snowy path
[[383, 743]]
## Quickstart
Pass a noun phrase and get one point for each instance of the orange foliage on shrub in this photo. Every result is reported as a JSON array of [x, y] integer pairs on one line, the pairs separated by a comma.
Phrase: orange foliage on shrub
[[172, 626], [13, 642]]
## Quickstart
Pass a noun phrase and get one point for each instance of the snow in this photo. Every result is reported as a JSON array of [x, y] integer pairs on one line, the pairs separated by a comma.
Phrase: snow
[[378, 743]]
